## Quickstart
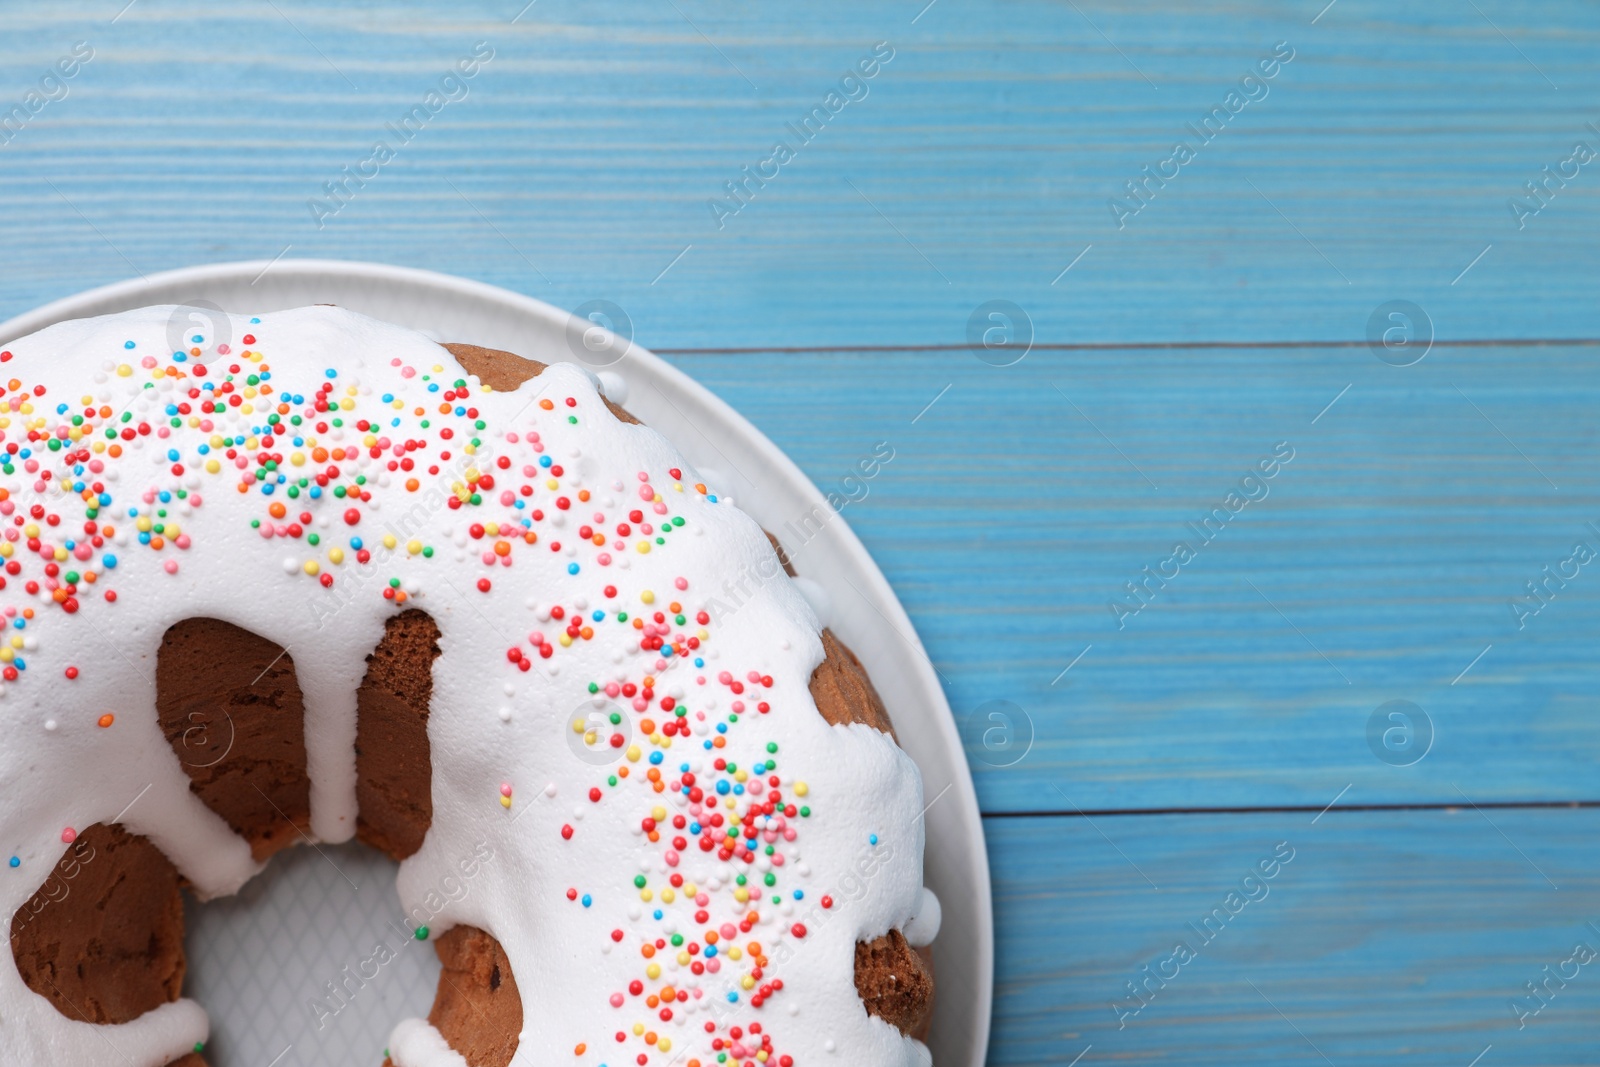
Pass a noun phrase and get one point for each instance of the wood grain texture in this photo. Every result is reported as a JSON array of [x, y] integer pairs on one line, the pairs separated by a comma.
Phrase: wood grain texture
[[1380, 566], [1396, 937], [978, 165]]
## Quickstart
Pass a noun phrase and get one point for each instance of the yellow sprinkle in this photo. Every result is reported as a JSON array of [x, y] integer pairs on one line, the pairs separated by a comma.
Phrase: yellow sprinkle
[[648, 597], [414, 546], [747, 982], [551, 483], [801, 789], [741, 776], [16, 641], [633, 753], [647, 895], [312, 566], [658, 814], [336, 556], [669, 896], [297, 458], [61, 555], [741, 894], [124, 371], [577, 726], [505, 802], [32, 529], [566, 640], [390, 540], [638, 1028], [643, 548], [735, 952], [664, 1044]]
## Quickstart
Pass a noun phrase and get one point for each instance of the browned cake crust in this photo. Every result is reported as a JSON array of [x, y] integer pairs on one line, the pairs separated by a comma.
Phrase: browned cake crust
[[895, 983], [231, 709], [102, 939], [477, 1008], [394, 765], [117, 950]]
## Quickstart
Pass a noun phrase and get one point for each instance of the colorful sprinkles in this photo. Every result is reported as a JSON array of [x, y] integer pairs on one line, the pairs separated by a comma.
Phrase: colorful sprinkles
[[688, 761]]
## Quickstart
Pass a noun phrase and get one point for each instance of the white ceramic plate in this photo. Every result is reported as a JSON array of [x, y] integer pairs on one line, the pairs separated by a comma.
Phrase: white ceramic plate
[[242, 975]]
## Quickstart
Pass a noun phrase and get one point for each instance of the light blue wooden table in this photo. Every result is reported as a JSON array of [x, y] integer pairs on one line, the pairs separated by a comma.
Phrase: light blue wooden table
[[1235, 708]]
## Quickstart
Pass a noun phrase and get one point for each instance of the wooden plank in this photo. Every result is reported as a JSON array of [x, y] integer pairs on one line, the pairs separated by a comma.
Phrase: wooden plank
[[979, 163], [1388, 937], [1380, 565]]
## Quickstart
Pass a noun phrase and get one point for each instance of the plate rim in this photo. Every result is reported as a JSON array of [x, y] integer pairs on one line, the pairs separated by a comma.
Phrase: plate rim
[[127, 293]]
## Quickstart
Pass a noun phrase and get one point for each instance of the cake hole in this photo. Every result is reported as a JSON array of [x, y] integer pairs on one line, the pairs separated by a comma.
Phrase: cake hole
[[314, 952], [231, 708]]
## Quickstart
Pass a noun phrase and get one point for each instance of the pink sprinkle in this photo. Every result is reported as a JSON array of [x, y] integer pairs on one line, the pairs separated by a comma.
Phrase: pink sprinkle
[[505, 789], [643, 477], [616, 1000], [170, 566], [223, 350], [646, 493], [408, 372], [681, 583], [728, 931], [69, 835]]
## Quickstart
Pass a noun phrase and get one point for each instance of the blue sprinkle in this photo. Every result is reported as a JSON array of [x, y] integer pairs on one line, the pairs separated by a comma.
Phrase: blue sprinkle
[[196, 339], [658, 914], [587, 900], [799, 894], [733, 998], [355, 543], [873, 839], [15, 862], [61, 409], [254, 321], [109, 562], [722, 787], [125, 344], [597, 615], [544, 461], [683, 768], [699, 662], [655, 757], [572, 568], [330, 372]]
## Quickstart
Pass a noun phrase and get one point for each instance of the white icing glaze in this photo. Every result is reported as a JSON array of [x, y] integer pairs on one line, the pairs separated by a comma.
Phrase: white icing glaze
[[924, 925], [506, 869]]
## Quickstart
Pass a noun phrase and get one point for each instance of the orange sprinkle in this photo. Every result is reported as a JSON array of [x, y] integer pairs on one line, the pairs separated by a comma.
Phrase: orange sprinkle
[[277, 510], [411, 485], [581, 1049], [547, 405], [107, 719]]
